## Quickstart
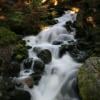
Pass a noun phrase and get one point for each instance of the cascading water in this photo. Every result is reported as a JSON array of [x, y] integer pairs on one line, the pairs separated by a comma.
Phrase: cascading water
[[58, 79]]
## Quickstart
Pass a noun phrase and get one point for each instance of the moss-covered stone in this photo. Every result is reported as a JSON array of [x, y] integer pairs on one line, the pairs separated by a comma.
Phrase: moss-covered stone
[[20, 52], [89, 79], [7, 36], [45, 55]]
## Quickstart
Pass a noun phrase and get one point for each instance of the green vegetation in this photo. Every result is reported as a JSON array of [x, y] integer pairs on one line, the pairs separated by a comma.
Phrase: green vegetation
[[88, 79], [7, 37], [36, 2], [16, 16], [20, 52]]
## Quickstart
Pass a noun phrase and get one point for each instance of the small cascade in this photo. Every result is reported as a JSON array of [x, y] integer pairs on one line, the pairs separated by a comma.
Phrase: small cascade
[[58, 78]]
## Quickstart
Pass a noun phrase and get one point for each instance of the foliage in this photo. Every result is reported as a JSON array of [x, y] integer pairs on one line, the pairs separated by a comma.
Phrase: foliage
[[16, 16], [7, 36], [20, 52], [36, 2]]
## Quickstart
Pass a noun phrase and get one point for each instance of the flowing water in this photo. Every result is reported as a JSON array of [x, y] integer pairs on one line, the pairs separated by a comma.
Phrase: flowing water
[[59, 78]]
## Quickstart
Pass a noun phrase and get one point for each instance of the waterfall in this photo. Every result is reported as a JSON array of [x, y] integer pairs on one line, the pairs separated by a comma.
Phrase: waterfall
[[58, 79]]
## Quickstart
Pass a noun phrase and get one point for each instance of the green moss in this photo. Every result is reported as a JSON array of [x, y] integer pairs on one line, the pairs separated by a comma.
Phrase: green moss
[[20, 52], [88, 80], [19, 57], [7, 36]]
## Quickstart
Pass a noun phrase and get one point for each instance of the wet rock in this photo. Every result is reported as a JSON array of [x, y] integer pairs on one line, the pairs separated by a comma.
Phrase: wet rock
[[18, 84], [89, 79], [38, 66], [74, 24], [29, 82], [36, 49], [27, 63], [28, 47], [68, 26], [54, 71], [57, 42], [45, 56], [78, 55], [36, 78], [71, 42], [24, 80], [63, 49]]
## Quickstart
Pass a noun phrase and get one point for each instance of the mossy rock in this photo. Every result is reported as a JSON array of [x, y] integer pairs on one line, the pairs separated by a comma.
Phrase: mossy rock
[[7, 36], [20, 52], [45, 55], [89, 79], [19, 57]]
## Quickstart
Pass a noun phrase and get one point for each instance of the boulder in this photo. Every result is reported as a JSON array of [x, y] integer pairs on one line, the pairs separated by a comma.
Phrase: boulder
[[79, 56], [89, 79], [63, 49], [57, 42], [29, 82], [28, 47], [36, 78], [38, 66], [45, 55], [27, 63], [68, 26], [24, 80], [36, 49]]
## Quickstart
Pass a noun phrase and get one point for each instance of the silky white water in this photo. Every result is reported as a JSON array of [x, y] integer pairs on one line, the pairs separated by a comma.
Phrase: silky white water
[[60, 74]]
